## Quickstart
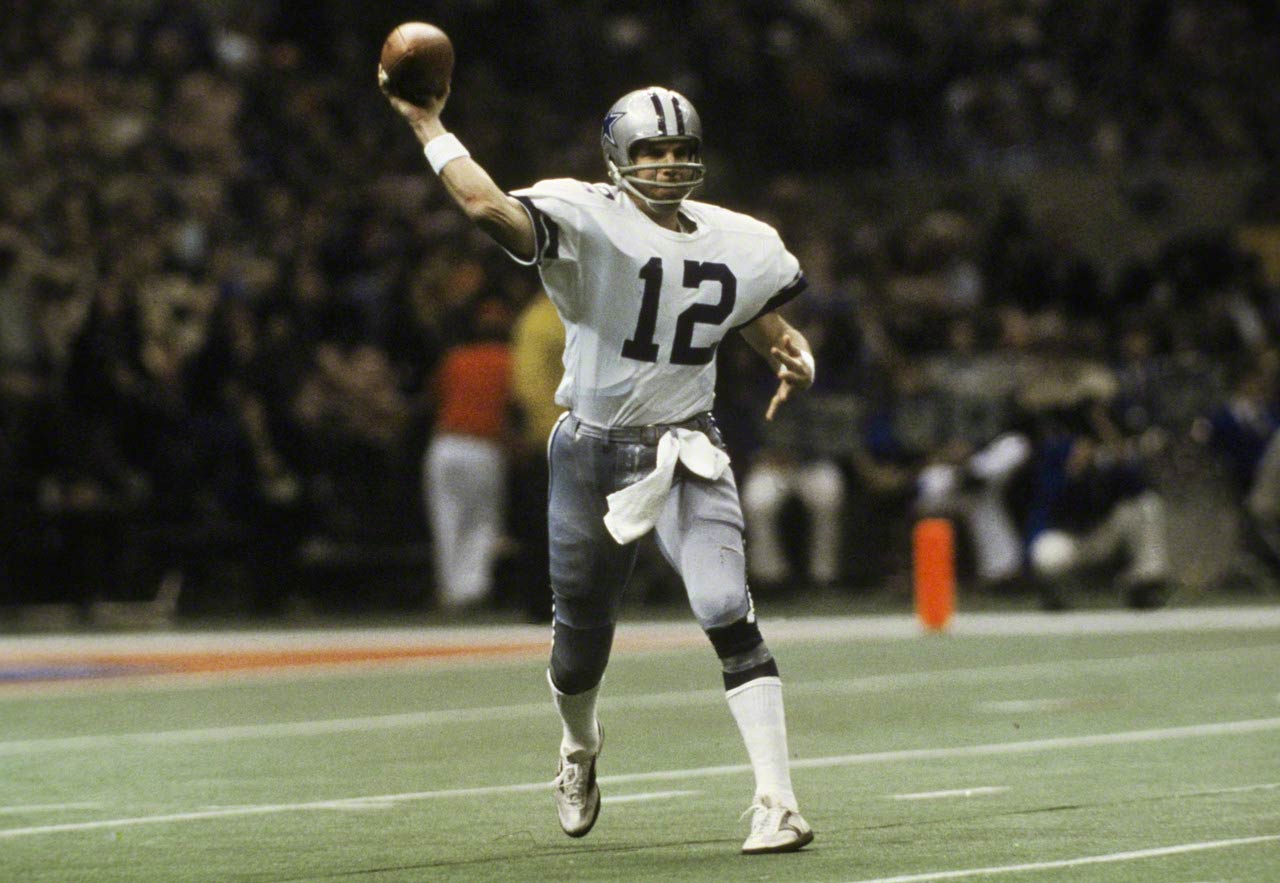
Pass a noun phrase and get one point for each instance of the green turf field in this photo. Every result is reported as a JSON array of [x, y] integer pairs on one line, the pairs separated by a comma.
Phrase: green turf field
[[1088, 753]]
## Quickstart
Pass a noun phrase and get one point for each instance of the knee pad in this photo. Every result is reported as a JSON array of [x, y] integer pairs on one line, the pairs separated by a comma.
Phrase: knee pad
[[743, 653], [738, 637], [579, 656]]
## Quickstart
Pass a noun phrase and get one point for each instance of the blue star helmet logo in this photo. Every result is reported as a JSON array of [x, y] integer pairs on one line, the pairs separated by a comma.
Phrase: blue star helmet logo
[[610, 119]]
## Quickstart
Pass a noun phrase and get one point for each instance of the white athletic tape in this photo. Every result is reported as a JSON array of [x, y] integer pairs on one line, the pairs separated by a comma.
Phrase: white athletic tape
[[807, 358]]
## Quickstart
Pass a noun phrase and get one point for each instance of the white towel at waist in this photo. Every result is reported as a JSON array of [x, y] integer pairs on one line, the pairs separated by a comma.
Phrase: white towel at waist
[[635, 509]]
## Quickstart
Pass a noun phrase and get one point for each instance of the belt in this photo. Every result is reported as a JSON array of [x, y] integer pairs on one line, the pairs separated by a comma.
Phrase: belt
[[639, 435]]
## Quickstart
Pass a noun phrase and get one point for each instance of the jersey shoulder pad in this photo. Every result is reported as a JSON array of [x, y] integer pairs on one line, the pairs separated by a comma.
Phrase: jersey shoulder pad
[[570, 190], [733, 222]]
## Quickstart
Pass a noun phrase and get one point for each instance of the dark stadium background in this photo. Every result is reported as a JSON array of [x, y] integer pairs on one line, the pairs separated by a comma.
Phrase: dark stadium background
[[226, 272]]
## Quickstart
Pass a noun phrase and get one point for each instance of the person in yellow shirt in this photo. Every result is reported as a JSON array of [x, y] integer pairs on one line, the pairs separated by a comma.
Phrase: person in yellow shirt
[[537, 344]]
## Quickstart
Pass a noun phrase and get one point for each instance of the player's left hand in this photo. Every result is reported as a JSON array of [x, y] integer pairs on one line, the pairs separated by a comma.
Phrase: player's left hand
[[795, 371]]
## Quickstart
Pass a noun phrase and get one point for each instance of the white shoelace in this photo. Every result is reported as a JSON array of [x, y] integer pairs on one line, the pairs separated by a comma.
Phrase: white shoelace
[[571, 783], [766, 818]]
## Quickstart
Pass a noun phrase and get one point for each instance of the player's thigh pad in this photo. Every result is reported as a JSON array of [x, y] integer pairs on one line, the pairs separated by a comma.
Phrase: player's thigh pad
[[589, 569], [700, 533]]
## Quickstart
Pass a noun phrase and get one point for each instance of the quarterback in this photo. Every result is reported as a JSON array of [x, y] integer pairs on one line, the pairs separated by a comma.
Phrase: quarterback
[[647, 283]]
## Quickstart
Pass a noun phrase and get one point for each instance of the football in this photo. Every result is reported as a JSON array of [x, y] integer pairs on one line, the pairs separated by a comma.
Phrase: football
[[418, 60]]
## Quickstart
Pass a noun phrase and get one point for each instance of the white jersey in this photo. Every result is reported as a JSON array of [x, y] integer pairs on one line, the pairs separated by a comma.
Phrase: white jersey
[[644, 307]]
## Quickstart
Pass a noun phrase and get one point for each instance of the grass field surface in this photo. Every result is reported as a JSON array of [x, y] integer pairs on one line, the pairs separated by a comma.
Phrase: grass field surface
[[1079, 747]]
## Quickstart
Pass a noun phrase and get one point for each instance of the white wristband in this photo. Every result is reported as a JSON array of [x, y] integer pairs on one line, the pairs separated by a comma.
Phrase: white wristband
[[444, 150]]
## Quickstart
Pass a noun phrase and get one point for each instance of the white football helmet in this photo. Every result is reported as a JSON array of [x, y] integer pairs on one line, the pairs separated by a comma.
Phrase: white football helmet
[[645, 114]]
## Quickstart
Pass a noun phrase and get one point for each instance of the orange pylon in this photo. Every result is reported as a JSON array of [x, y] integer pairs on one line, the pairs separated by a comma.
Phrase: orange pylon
[[934, 571]]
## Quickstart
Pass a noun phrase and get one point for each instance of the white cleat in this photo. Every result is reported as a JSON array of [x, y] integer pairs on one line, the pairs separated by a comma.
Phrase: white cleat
[[775, 828], [577, 795]]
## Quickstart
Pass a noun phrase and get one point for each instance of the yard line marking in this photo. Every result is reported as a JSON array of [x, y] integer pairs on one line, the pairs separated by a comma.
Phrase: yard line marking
[[260, 731], [866, 684], [1132, 855], [647, 795], [995, 748], [47, 807], [955, 792], [1128, 737], [1028, 706], [1244, 789], [342, 803]]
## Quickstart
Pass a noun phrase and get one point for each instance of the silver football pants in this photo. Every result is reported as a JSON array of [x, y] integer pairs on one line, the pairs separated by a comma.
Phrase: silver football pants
[[699, 532]]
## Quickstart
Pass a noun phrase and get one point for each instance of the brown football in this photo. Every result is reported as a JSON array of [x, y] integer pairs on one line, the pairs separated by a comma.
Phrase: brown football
[[418, 59]]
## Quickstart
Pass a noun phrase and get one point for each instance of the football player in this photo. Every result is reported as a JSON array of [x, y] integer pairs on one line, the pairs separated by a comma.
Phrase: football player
[[647, 282]]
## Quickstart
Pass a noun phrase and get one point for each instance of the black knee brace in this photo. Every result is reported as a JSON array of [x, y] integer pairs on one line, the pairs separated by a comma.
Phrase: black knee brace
[[742, 651], [579, 657]]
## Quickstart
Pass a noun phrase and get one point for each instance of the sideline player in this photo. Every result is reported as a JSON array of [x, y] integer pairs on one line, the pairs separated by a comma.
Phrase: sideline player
[[647, 284]]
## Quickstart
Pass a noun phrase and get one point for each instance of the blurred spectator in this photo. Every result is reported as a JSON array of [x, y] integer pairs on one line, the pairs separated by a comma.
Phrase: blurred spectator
[[354, 423], [536, 351], [791, 465], [72, 493], [465, 465], [1094, 508], [1240, 429], [897, 436], [973, 488], [1241, 432], [211, 258]]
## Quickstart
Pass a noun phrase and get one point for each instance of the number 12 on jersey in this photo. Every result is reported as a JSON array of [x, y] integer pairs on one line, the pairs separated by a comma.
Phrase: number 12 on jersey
[[643, 348]]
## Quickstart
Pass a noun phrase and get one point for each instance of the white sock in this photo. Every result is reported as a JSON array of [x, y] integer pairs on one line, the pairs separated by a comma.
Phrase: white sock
[[581, 739], [757, 707]]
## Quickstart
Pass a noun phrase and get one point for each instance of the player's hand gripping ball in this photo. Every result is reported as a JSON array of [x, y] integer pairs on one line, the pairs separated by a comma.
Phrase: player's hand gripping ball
[[417, 60]]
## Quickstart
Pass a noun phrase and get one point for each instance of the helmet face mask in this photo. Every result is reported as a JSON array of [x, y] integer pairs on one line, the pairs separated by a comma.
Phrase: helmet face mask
[[648, 114]]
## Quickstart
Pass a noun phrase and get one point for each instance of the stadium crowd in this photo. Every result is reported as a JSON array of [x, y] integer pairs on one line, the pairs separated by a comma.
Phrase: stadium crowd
[[227, 279]]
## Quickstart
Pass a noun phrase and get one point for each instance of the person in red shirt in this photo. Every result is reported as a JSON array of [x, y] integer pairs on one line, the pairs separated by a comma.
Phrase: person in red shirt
[[465, 465]]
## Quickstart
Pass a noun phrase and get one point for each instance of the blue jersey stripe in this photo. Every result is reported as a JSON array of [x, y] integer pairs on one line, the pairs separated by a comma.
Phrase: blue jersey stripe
[[786, 294]]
